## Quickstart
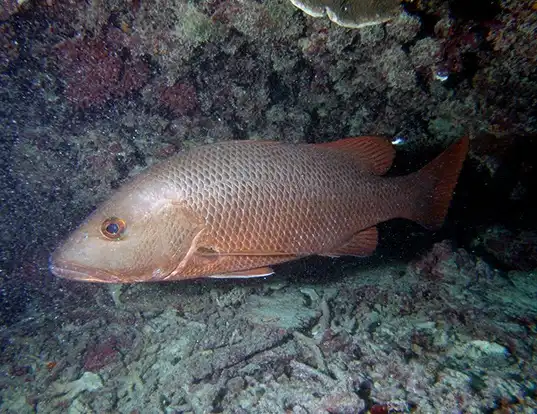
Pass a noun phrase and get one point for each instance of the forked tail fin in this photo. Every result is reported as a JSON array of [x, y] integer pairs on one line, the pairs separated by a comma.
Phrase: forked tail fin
[[439, 178]]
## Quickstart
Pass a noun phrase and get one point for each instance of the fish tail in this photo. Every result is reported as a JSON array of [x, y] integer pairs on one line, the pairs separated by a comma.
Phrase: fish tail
[[437, 180]]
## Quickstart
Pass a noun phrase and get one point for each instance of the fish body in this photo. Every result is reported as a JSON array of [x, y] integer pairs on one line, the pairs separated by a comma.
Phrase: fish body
[[234, 208]]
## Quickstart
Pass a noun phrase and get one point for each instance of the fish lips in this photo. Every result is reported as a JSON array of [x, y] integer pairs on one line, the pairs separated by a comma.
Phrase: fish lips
[[68, 270]]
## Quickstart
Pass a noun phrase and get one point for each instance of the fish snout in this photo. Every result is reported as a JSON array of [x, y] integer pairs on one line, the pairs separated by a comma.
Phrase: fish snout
[[68, 270]]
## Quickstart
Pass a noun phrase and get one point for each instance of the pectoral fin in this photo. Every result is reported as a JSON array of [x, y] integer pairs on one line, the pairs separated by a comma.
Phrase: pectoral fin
[[246, 274]]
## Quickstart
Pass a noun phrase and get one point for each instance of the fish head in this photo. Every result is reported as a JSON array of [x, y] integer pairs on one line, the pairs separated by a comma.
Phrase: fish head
[[136, 236]]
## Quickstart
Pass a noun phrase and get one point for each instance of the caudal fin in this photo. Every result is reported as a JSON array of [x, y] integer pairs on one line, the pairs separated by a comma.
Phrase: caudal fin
[[439, 177]]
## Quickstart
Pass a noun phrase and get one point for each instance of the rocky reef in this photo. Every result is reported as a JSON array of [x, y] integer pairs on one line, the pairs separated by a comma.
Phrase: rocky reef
[[93, 92], [445, 333]]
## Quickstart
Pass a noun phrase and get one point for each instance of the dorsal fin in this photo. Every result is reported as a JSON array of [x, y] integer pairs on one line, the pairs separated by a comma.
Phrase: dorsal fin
[[374, 154]]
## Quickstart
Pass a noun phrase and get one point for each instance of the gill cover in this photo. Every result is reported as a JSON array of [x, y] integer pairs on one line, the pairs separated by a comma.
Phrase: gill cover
[[129, 241], [179, 229]]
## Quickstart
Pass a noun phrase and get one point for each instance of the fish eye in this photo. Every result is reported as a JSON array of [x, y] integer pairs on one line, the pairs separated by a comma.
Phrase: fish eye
[[113, 228]]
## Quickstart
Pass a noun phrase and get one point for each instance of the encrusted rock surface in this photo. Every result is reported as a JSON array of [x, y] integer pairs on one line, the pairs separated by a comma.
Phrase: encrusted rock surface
[[455, 339]]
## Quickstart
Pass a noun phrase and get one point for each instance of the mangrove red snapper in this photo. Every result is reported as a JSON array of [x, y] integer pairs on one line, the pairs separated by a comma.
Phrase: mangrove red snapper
[[234, 208]]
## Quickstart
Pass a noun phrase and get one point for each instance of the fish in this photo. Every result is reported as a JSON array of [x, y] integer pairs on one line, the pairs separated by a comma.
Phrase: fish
[[234, 209]]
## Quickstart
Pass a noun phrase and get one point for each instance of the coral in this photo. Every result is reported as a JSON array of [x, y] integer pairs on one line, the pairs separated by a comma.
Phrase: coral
[[87, 382], [9, 46], [404, 28], [511, 37], [429, 265], [101, 355], [180, 98], [273, 20], [10, 7], [285, 312], [94, 72], [514, 34], [440, 262], [261, 353], [459, 43], [353, 14], [193, 24], [396, 69], [444, 126], [511, 250], [234, 297], [342, 403], [478, 353], [425, 54], [285, 124], [170, 31], [86, 18]]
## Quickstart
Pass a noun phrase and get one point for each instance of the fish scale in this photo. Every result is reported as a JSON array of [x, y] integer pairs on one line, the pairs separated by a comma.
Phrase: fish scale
[[235, 207], [291, 200]]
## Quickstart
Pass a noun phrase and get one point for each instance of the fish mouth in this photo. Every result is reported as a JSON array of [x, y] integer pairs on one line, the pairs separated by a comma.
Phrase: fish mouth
[[68, 270]]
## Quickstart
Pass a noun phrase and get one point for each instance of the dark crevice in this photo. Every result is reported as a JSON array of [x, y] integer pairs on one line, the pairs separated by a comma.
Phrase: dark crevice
[[470, 66], [428, 20], [475, 10], [278, 91], [312, 126]]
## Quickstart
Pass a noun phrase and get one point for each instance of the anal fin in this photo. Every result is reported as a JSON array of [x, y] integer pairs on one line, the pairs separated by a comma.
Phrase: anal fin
[[245, 274], [362, 244]]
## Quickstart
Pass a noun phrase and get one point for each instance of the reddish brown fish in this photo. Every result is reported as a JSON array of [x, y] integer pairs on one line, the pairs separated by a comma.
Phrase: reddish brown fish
[[232, 209]]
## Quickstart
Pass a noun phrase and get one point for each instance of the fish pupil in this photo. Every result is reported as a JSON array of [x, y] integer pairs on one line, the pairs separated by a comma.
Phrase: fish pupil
[[112, 228]]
